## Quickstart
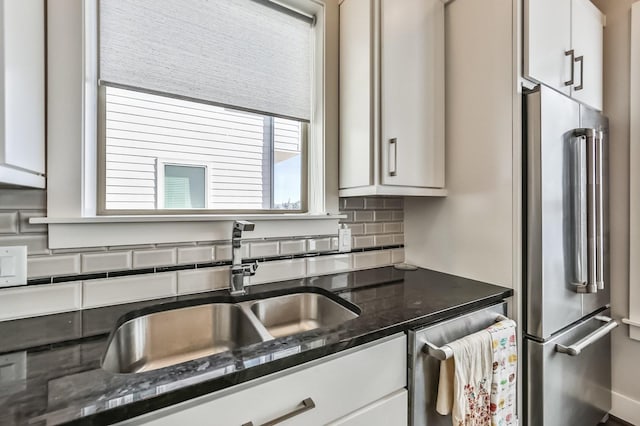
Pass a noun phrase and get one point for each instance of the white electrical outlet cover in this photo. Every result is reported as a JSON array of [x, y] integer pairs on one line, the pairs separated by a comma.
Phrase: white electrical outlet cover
[[13, 266]]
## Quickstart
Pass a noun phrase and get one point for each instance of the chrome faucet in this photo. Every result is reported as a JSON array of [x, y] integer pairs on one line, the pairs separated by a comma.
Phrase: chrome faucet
[[240, 271]]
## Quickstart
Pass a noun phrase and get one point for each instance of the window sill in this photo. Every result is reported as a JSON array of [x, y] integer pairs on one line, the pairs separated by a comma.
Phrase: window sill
[[101, 231]]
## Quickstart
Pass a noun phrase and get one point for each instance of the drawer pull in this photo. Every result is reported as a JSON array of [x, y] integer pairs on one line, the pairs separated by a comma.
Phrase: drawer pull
[[590, 339], [307, 405]]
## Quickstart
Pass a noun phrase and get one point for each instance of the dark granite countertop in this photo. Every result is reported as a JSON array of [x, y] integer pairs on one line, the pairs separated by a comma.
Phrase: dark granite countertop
[[61, 353]]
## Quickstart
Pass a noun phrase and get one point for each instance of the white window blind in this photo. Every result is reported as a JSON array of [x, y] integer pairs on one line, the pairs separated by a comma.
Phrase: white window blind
[[240, 53]]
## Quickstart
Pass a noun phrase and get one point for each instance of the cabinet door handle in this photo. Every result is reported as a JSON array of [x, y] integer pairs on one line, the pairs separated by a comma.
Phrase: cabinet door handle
[[570, 53], [581, 85], [393, 156], [307, 405]]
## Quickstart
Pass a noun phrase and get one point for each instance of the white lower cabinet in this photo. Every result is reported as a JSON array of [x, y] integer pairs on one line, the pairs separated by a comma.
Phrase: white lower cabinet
[[390, 410], [366, 385]]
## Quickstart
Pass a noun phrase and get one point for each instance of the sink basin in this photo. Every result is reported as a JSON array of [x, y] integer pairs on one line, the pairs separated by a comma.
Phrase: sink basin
[[296, 313], [174, 336], [171, 337]]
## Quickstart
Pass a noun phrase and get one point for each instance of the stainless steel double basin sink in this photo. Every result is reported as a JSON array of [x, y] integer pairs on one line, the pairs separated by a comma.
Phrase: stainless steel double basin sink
[[174, 336]]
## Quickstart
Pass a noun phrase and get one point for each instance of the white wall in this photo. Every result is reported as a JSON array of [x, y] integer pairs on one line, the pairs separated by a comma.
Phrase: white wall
[[471, 232], [626, 352]]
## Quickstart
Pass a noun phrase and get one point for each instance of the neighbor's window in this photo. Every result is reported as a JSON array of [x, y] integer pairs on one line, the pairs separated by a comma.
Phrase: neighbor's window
[[204, 105]]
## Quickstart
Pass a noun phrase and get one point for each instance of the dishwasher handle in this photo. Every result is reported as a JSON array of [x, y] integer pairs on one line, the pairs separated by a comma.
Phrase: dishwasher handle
[[589, 339], [445, 352]]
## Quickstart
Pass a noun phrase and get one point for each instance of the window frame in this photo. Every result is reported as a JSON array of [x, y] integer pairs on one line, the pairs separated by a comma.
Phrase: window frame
[[72, 149]]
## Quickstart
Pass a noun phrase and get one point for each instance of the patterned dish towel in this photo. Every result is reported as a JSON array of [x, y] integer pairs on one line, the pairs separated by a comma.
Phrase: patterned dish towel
[[472, 380], [478, 385], [505, 371]]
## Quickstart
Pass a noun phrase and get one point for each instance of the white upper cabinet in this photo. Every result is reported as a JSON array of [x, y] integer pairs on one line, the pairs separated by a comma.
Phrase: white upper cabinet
[[563, 47], [587, 36], [392, 97], [548, 57], [22, 98]]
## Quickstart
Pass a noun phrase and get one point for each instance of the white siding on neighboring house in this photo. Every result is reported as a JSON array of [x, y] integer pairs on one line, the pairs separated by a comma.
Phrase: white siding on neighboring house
[[144, 130]]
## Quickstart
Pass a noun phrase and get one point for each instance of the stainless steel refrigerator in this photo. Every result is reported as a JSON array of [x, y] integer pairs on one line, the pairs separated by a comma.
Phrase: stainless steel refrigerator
[[567, 324]]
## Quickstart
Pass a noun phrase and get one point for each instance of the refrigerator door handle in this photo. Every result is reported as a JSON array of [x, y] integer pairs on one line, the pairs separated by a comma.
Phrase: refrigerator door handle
[[588, 138], [589, 339], [599, 195]]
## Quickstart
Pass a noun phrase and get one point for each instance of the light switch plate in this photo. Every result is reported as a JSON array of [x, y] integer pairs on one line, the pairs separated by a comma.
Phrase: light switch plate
[[13, 266]]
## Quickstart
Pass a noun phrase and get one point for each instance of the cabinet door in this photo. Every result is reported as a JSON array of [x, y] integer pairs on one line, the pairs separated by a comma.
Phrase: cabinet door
[[22, 49], [390, 410], [356, 95], [586, 35], [547, 39], [412, 93]]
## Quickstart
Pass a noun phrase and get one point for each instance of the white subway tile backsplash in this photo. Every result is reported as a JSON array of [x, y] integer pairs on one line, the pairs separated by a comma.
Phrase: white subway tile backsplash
[[363, 216], [373, 203], [8, 222], [32, 228], [353, 203], [23, 198], [328, 264], [348, 218], [293, 247], [199, 280], [151, 258], [36, 300], [36, 244], [199, 254], [363, 241], [373, 228], [223, 252], [47, 266], [382, 215], [393, 203], [264, 249], [279, 270], [114, 291], [319, 244], [373, 222], [356, 228], [397, 255], [392, 227], [371, 259], [383, 240], [106, 261]]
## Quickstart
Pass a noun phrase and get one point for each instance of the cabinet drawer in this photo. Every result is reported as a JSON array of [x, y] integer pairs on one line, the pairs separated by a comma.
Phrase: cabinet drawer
[[390, 410], [337, 387]]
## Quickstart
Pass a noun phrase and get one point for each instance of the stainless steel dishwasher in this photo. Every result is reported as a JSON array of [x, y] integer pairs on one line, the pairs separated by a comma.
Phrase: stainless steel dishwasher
[[425, 369]]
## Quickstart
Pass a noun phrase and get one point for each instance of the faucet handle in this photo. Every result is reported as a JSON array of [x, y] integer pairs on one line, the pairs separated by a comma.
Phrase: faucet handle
[[250, 268]]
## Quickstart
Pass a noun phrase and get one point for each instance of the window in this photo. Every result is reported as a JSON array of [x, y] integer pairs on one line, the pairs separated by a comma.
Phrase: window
[[181, 186], [204, 106], [76, 189], [247, 161]]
